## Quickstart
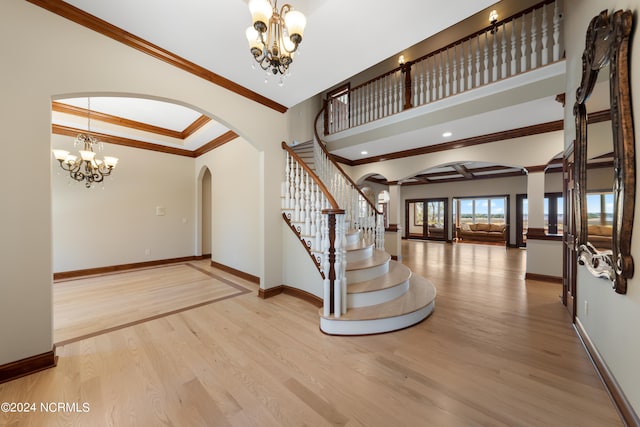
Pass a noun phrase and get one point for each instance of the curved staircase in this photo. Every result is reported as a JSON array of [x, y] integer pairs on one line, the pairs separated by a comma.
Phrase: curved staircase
[[382, 295]]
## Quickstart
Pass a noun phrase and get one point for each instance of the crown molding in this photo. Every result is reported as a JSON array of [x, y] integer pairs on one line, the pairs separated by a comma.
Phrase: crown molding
[[133, 143], [94, 23], [132, 124], [118, 140], [193, 127], [215, 143], [115, 120]]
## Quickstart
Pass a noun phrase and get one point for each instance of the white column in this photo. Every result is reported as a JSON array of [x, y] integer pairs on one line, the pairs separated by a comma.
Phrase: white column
[[393, 239], [535, 198]]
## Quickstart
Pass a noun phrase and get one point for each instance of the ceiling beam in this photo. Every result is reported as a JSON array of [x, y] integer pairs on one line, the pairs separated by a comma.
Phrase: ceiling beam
[[462, 170]]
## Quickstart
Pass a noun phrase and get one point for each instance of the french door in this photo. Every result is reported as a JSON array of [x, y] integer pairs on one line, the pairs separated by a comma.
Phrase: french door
[[426, 219]]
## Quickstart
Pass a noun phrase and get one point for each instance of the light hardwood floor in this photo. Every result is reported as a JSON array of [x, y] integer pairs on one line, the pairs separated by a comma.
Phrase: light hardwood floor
[[498, 350]]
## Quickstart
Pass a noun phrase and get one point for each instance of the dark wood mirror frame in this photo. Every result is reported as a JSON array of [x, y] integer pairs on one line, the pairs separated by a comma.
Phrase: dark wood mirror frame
[[607, 43]]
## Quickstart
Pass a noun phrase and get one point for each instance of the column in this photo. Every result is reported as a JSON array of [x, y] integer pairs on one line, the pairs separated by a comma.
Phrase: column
[[393, 234]]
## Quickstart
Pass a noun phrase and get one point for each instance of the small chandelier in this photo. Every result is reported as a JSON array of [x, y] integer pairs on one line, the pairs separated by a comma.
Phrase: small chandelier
[[87, 168], [274, 37]]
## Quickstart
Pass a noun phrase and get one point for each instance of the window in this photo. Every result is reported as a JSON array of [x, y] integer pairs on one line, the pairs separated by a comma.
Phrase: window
[[600, 208], [553, 213], [418, 213], [480, 210]]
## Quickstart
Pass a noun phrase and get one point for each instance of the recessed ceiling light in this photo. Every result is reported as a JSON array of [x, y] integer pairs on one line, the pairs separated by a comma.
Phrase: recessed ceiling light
[[364, 152], [446, 134]]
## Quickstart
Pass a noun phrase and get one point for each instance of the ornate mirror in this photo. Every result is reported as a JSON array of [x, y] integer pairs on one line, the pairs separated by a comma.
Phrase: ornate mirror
[[605, 162]]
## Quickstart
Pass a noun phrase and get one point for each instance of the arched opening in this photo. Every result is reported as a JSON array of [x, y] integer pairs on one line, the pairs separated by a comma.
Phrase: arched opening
[[206, 216]]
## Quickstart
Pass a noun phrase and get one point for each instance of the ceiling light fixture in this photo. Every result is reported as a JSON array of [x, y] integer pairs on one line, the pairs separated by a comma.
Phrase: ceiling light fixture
[[446, 134], [274, 36], [87, 168], [364, 152]]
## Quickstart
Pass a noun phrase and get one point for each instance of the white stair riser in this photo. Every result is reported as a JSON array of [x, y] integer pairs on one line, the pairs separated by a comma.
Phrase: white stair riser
[[364, 299], [359, 254], [355, 276], [353, 238], [375, 326]]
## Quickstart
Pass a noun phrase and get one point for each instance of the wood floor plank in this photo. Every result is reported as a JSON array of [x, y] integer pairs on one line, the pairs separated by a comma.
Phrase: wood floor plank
[[497, 351]]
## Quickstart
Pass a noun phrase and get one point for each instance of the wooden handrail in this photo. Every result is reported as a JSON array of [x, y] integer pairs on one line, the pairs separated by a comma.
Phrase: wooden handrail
[[319, 183], [482, 31], [408, 64], [324, 150]]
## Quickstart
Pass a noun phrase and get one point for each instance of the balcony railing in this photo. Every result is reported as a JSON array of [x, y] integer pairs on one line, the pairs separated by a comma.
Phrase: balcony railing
[[527, 41]]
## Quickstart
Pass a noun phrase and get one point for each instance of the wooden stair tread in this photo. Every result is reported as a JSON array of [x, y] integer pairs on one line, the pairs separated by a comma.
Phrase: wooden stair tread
[[379, 257], [397, 274], [421, 293]]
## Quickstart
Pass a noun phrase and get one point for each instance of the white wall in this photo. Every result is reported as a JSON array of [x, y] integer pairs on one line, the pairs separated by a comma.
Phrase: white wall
[[40, 66], [611, 319], [235, 205], [299, 270], [116, 223]]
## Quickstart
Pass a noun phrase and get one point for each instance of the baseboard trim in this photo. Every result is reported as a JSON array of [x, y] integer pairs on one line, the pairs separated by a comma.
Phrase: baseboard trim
[[543, 278], [28, 365], [241, 274], [616, 394], [122, 267], [294, 292]]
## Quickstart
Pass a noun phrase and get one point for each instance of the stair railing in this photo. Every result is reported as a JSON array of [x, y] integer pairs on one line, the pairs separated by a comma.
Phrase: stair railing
[[315, 216], [520, 43], [360, 212]]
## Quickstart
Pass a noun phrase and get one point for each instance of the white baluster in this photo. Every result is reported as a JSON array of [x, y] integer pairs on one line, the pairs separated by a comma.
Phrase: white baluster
[[434, 76], [326, 308], [544, 53], [478, 69], [440, 77], [287, 170], [343, 264], [427, 81], [494, 60], [503, 63], [296, 206], [454, 72], [485, 79], [307, 205], [318, 219], [447, 77], [534, 41], [514, 64], [523, 45], [400, 91], [416, 84], [470, 65], [462, 68], [556, 31]]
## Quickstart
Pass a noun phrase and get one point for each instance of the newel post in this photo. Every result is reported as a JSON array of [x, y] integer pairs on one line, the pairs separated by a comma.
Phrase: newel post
[[326, 117], [333, 264], [406, 70]]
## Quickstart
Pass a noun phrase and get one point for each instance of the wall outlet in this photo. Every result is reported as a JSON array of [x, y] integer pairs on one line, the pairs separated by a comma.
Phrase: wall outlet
[[586, 308], [147, 252]]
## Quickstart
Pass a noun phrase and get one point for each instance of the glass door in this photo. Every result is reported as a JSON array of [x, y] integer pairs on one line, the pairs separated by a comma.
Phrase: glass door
[[426, 219]]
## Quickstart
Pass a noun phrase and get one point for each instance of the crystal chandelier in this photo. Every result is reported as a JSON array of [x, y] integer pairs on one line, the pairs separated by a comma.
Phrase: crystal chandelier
[[274, 37], [87, 168]]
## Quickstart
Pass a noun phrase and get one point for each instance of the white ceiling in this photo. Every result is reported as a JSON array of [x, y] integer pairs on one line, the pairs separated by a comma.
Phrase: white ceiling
[[342, 38]]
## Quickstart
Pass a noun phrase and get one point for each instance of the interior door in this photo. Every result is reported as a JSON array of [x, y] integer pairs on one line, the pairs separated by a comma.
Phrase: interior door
[[569, 256]]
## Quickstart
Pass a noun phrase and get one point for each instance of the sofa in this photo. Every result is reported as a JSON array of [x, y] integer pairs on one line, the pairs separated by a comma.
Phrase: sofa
[[600, 236], [483, 232]]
